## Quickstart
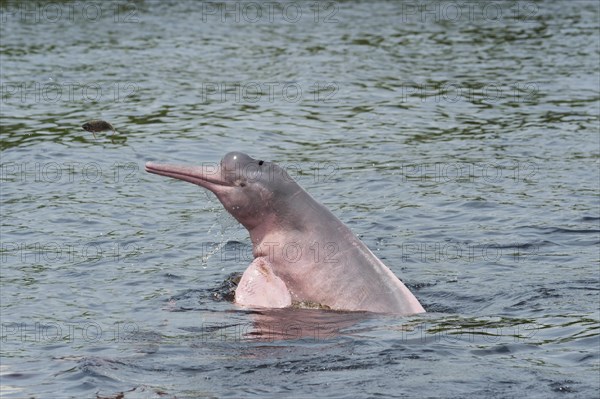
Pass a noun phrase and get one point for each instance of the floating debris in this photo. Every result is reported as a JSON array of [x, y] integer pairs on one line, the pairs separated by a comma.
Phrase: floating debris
[[97, 125]]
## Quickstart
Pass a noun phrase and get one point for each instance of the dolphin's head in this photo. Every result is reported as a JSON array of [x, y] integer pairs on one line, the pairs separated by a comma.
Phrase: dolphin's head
[[248, 188]]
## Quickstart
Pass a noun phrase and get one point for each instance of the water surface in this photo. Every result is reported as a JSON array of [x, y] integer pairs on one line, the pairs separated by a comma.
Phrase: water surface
[[462, 149]]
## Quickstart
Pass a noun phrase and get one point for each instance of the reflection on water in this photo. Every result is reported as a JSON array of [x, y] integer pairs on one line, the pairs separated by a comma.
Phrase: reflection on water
[[292, 324]]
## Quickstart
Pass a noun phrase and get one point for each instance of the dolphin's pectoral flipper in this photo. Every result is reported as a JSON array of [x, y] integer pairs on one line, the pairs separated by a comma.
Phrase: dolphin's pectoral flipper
[[260, 287]]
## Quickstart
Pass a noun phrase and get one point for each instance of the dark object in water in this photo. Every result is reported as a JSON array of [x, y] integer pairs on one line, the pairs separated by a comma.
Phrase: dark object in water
[[226, 291], [97, 125]]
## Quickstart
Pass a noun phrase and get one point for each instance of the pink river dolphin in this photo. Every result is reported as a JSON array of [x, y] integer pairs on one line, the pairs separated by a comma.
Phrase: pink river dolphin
[[303, 254]]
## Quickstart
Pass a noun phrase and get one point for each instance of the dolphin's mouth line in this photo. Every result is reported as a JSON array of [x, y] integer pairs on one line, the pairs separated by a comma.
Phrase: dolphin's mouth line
[[189, 177]]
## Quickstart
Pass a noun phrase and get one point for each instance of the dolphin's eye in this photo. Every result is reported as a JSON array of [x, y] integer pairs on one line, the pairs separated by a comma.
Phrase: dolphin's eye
[[261, 162], [242, 184]]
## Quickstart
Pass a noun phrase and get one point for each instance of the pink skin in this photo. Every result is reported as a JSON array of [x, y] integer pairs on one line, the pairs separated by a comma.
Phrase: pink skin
[[303, 253]]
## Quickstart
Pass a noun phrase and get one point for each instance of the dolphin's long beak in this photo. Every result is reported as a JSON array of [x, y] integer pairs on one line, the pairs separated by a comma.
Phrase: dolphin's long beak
[[207, 176]]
